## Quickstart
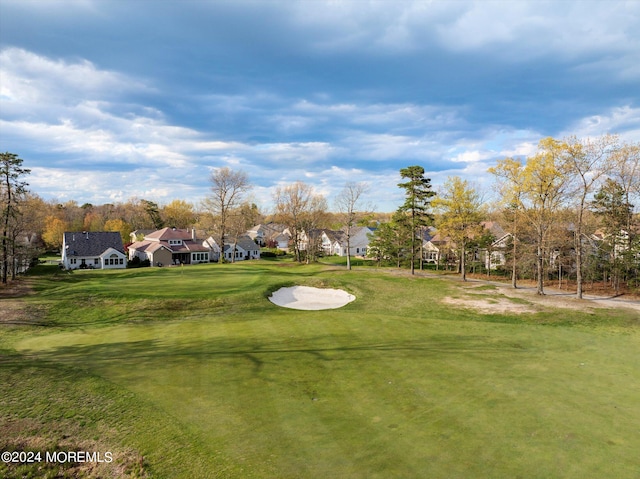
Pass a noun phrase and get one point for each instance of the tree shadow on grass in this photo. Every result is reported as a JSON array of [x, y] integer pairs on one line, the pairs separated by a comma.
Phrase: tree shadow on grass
[[161, 353]]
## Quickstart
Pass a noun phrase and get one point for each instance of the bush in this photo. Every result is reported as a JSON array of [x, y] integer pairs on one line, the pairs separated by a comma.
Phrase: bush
[[137, 263], [271, 252]]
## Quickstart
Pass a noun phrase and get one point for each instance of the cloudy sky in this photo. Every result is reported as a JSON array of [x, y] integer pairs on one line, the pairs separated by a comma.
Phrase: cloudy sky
[[108, 100]]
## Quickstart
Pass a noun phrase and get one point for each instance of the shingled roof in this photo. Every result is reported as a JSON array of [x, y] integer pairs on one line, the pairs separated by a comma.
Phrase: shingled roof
[[92, 243]]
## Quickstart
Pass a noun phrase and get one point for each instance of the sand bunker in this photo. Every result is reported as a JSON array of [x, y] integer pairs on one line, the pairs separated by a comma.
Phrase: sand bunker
[[307, 298]]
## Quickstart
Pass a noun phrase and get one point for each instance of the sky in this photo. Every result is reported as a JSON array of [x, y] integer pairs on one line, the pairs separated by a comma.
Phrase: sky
[[111, 100]]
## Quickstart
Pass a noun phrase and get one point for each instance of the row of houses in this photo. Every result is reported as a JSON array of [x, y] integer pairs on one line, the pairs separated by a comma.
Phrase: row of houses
[[331, 242], [172, 246], [168, 246]]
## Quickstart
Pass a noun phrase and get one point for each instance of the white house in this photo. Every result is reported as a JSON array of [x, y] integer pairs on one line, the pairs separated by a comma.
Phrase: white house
[[334, 242], [244, 249], [275, 234], [93, 250], [359, 240], [497, 256]]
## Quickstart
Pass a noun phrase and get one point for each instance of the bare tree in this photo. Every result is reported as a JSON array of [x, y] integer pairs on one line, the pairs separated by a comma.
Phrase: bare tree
[[350, 210], [296, 204], [228, 188], [314, 218], [588, 162]]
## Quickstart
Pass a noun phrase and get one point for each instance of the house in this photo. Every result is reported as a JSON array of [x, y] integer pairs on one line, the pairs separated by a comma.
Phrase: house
[[271, 234], [436, 247], [334, 242], [359, 240], [245, 248], [170, 246], [96, 249], [495, 254]]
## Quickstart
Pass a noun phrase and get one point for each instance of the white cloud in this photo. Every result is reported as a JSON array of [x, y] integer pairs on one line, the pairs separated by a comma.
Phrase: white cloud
[[30, 78], [624, 121]]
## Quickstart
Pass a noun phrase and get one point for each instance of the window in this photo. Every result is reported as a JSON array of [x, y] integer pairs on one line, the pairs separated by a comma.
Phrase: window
[[96, 261]]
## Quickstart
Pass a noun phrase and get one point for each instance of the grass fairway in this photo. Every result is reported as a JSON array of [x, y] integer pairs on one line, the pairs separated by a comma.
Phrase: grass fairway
[[191, 372]]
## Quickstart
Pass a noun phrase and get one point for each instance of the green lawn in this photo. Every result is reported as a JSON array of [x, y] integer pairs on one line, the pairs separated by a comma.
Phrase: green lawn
[[191, 372]]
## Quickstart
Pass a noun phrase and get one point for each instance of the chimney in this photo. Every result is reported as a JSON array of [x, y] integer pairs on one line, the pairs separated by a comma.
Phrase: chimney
[[193, 234]]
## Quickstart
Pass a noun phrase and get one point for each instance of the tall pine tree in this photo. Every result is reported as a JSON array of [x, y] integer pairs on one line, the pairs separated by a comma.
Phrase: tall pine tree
[[416, 206], [12, 190]]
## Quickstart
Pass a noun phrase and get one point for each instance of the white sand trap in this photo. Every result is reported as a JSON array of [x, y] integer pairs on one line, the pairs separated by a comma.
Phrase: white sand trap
[[307, 298]]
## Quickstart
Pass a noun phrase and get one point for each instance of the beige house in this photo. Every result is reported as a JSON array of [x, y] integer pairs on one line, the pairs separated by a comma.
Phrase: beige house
[[170, 246]]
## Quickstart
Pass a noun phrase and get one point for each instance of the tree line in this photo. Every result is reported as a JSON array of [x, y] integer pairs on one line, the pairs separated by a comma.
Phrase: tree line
[[552, 203], [32, 225], [569, 204]]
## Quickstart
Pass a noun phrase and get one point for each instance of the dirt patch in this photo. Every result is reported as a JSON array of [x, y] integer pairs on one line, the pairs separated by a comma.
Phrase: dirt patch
[[562, 299], [15, 289], [15, 311], [491, 305]]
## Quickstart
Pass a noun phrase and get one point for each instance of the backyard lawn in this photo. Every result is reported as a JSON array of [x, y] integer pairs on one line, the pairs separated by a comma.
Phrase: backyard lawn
[[192, 373]]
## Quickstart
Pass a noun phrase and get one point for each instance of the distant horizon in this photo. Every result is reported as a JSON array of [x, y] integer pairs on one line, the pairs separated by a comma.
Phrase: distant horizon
[[108, 101]]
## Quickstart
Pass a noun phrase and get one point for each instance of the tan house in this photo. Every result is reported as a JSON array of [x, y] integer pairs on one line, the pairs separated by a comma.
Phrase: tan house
[[170, 246]]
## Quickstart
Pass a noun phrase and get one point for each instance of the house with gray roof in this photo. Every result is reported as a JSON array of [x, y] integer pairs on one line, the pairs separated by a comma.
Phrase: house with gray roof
[[334, 242], [93, 250], [244, 248]]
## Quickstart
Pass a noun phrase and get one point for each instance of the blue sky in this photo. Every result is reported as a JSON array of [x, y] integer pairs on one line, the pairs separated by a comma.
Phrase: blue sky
[[108, 100]]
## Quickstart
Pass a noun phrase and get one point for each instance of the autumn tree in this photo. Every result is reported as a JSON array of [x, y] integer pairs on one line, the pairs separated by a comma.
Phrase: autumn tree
[[12, 191], [544, 189], [121, 227], [179, 214], [93, 221], [71, 214], [625, 171], [54, 229], [510, 175], [459, 206], [228, 189], [350, 210], [416, 206], [133, 212]]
